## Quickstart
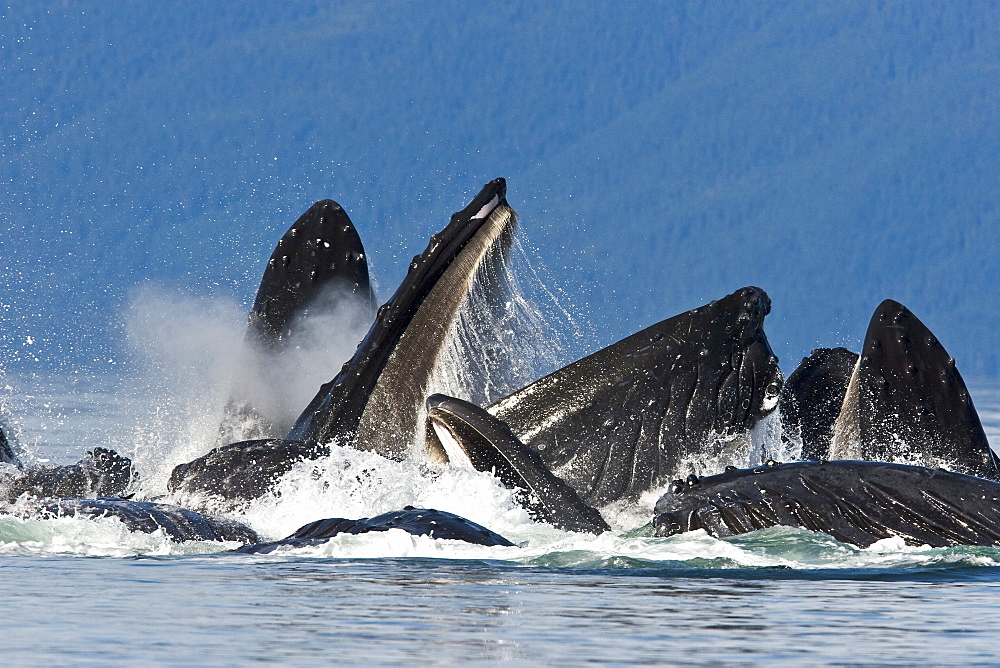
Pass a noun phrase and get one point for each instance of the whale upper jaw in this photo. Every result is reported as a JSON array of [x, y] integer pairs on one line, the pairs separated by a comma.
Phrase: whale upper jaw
[[906, 401], [628, 418]]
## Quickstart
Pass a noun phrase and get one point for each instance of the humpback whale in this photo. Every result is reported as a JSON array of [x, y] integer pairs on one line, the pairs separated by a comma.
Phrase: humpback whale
[[102, 472], [628, 418], [856, 502], [179, 524], [416, 521], [316, 266], [373, 403], [905, 401], [234, 474], [468, 434], [682, 394], [811, 399]]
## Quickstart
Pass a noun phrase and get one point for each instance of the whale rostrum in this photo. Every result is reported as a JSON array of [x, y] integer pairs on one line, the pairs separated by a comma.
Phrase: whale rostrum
[[906, 402]]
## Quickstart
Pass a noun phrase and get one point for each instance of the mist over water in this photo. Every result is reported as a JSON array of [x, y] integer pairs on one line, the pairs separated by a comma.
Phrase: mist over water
[[280, 379]]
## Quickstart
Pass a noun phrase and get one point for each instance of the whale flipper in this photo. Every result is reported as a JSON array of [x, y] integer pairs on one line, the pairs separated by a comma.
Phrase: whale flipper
[[375, 401], [812, 398], [633, 415], [907, 401], [416, 521], [856, 502], [179, 524], [489, 445]]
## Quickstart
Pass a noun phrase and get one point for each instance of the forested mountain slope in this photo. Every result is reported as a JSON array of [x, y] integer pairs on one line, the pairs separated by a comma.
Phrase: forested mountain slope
[[661, 155]]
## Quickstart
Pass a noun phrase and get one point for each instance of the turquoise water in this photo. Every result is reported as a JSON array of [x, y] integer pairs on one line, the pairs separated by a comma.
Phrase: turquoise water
[[90, 592]]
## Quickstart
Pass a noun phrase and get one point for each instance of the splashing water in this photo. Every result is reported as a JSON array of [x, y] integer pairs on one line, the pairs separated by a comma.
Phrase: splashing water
[[351, 483], [509, 331], [501, 339], [277, 383], [190, 349], [187, 349]]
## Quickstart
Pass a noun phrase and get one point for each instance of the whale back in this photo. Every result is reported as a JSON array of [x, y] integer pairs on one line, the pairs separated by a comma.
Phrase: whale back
[[415, 521], [178, 524]]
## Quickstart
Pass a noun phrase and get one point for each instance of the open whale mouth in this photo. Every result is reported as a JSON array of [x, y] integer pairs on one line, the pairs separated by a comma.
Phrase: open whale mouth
[[376, 400], [444, 446], [457, 430]]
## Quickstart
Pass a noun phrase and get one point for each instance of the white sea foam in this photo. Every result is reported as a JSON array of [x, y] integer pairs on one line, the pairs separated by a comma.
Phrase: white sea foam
[[100, 537]]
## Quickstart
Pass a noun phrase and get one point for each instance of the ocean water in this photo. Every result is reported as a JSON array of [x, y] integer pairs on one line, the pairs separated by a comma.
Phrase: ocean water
[[76, 591]]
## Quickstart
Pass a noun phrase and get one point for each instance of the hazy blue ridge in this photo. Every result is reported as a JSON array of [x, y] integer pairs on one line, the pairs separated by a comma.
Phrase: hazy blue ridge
[[661, 155]]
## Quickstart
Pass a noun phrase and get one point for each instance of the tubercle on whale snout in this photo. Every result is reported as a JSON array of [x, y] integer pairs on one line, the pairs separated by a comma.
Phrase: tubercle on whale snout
[[757, 304], [750, 305]]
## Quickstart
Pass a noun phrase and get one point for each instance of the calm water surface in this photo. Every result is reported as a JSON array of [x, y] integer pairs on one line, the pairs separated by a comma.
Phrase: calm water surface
[[229, 609]]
